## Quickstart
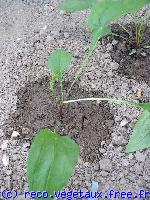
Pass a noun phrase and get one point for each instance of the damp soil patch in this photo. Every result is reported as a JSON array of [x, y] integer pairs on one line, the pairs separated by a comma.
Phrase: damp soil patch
[[137, 65], [88, 123]]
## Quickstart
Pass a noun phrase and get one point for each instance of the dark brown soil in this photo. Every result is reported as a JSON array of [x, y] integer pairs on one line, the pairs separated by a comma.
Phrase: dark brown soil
[[88, 123], [136, 66]]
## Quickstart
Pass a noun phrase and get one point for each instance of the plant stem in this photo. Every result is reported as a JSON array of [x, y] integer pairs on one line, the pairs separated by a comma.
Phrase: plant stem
[[119, 36], [61, 89], [85, 61], [126, 30], [103, 99]]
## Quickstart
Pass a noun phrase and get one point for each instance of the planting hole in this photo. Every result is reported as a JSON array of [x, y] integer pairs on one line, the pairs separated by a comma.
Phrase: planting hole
[[88, 123]]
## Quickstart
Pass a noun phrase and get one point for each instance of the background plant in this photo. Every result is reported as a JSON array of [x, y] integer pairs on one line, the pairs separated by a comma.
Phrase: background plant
[[51, 161], [102, 13], [140, 138]]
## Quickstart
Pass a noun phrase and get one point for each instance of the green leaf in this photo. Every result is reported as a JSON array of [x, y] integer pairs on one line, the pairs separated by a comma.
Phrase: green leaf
[[99, 33], [51, 161], [108, 10], [144, 106], [120, 8], [77, 5], [140, 138], [59, 62]]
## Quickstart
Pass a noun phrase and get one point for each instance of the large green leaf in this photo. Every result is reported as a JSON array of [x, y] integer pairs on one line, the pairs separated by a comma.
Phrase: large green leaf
[[51, 161], [140, 138], [119, 8], [59, 62], [77, 5], [108, 10]]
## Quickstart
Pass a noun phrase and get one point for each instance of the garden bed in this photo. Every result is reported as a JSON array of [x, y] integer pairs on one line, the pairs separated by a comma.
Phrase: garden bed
[[102, 130]]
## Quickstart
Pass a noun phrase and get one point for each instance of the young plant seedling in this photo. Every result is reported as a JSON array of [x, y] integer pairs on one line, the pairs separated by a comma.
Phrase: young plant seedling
[[140, 26], [51, 161], [140, 138], [58, 63]]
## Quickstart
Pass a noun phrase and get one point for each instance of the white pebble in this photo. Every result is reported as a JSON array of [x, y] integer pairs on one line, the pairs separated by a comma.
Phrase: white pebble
[[4, 145], [140, 157], [1, 133], [15, 134], [5, 160], [123, 122]]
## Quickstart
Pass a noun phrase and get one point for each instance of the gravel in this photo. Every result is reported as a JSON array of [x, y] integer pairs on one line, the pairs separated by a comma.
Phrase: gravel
[[29, 31]]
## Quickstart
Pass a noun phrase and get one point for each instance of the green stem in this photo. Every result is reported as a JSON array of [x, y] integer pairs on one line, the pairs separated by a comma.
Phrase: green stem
[[61, 89], [104, 99], [85, 62]]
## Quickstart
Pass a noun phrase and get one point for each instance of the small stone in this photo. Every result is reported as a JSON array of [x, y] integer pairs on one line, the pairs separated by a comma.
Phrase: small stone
[[121, 175], [1, 133], [66, 35], [8, 182], [109, 123], [140, 157], [26, 145], [19, 63], [87, 183], [5, 160], [49, 38], [9, 172], [15, 157], [26, 188], [62, 12], [119, 140], [103, 173], [105, 164], [114, 42], [143, 54], [101, 150], [80, 161], [130, 156], [113, 66], [55, 33], [96, 167], [25, 131], [18, 39], [109, 47], [119, 149], [15, 134], [110, 73], [103, 143], [4, 145], [86, 164], [124, 122], [42, 31], [48, 7], [125, 162], [123, 181], [138, 169]]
